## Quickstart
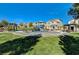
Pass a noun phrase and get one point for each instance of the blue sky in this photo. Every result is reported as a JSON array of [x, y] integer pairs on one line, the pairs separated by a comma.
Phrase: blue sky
[[33, 12]]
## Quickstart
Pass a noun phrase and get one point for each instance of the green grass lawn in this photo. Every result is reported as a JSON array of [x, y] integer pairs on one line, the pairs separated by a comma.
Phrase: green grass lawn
[[74, 34], [36, 45], [4, 37], [70, 43], [47, 46], [12, 44]]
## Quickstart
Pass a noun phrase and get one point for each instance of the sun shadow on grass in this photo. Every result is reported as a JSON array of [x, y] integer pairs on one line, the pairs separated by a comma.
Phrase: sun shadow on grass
[[19, 46], [69, 44]]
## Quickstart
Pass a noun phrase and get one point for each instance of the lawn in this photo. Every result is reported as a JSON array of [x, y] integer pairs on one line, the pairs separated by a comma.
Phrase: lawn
[[36, 45], [12, 44], [47, 46], [70, 43], [4, 37]]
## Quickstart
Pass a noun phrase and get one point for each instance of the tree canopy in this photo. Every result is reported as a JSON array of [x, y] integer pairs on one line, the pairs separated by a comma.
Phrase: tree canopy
[[30, 24], [21, 24], [4, 22], [74, 11]]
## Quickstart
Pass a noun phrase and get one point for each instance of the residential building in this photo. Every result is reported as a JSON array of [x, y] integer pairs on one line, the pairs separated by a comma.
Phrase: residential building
[[72, 26], [40, 25], [54, 25], [12, 26]]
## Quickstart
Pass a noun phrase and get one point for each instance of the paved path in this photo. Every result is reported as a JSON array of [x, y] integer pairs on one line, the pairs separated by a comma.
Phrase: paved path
[[44, 34]]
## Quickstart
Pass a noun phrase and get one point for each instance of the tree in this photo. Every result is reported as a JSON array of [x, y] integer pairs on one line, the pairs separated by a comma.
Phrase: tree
[[30, 24], [1, 24], [10, 28], [74, 11], [21, 24], [4, 22]]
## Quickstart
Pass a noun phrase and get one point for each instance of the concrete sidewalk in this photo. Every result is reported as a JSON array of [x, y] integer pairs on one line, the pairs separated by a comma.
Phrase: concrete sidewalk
[[44, 34]]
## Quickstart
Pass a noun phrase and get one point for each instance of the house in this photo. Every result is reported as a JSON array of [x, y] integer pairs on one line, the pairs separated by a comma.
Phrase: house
[[54, 25], [39, 25], [72, 26], [12, 27]]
